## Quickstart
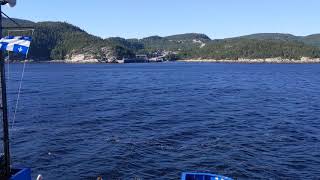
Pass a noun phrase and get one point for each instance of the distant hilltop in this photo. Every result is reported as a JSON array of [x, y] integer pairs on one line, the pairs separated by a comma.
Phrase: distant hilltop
[[66, 42]]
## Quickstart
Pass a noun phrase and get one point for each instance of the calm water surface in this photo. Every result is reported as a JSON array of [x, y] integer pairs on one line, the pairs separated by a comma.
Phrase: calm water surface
[[154, 121]]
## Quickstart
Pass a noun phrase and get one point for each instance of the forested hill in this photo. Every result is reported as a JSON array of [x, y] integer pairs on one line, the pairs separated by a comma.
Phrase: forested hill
[[60, 40], [313, 39]]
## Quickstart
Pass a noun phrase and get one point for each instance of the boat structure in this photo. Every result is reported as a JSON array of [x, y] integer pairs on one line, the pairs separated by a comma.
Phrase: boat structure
[[19, 45]]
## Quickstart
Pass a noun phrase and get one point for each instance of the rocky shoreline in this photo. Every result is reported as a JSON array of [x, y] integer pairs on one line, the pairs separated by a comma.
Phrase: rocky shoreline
[[303, 60]]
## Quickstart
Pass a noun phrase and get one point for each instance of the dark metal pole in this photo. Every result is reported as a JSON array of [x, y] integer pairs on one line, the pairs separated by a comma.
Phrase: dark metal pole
[[6, 145]]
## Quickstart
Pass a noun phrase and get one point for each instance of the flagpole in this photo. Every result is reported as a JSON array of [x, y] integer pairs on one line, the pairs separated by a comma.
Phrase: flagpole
[[6, 144]]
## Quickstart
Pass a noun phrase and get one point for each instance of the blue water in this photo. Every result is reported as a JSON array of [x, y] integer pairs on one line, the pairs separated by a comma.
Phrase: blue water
[[154, 121]]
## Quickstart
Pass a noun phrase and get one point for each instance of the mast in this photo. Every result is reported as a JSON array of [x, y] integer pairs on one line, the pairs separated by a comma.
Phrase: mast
[[6, 144]]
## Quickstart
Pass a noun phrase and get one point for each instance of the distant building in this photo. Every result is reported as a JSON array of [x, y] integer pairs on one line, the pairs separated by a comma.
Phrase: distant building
[[141, 58]]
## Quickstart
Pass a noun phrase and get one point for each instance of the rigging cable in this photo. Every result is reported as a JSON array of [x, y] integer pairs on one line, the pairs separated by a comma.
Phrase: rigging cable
[[18, 96], [20, 83], [8, 61], [12, 20]]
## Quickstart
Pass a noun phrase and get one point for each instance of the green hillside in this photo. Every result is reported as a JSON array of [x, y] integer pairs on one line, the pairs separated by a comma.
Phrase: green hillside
[[188, 36], [253, 48], [60, 40], [313, 40], [272, 36], [54, 40], [185, 42]]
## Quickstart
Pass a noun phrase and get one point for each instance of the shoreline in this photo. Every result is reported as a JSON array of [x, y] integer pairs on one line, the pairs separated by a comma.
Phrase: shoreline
[[255, 61], [239, 61]]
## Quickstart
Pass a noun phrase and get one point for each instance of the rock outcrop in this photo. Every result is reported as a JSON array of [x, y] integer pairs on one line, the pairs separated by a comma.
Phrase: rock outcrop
[[102, 55]]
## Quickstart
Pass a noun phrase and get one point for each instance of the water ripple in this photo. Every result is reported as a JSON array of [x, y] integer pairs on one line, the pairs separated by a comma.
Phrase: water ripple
[[154, 121]]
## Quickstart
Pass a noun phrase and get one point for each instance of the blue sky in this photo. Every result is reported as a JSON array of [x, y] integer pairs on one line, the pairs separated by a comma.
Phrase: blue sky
[[141, 18]]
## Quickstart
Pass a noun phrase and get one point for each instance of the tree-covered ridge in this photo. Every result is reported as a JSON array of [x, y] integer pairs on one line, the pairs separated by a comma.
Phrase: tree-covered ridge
[[253, 49], [53, 40], [7, 23], [271, 36], [185, 42], [188, 37], [60, 40], [313, 40], [57, 40], [264, 45]]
